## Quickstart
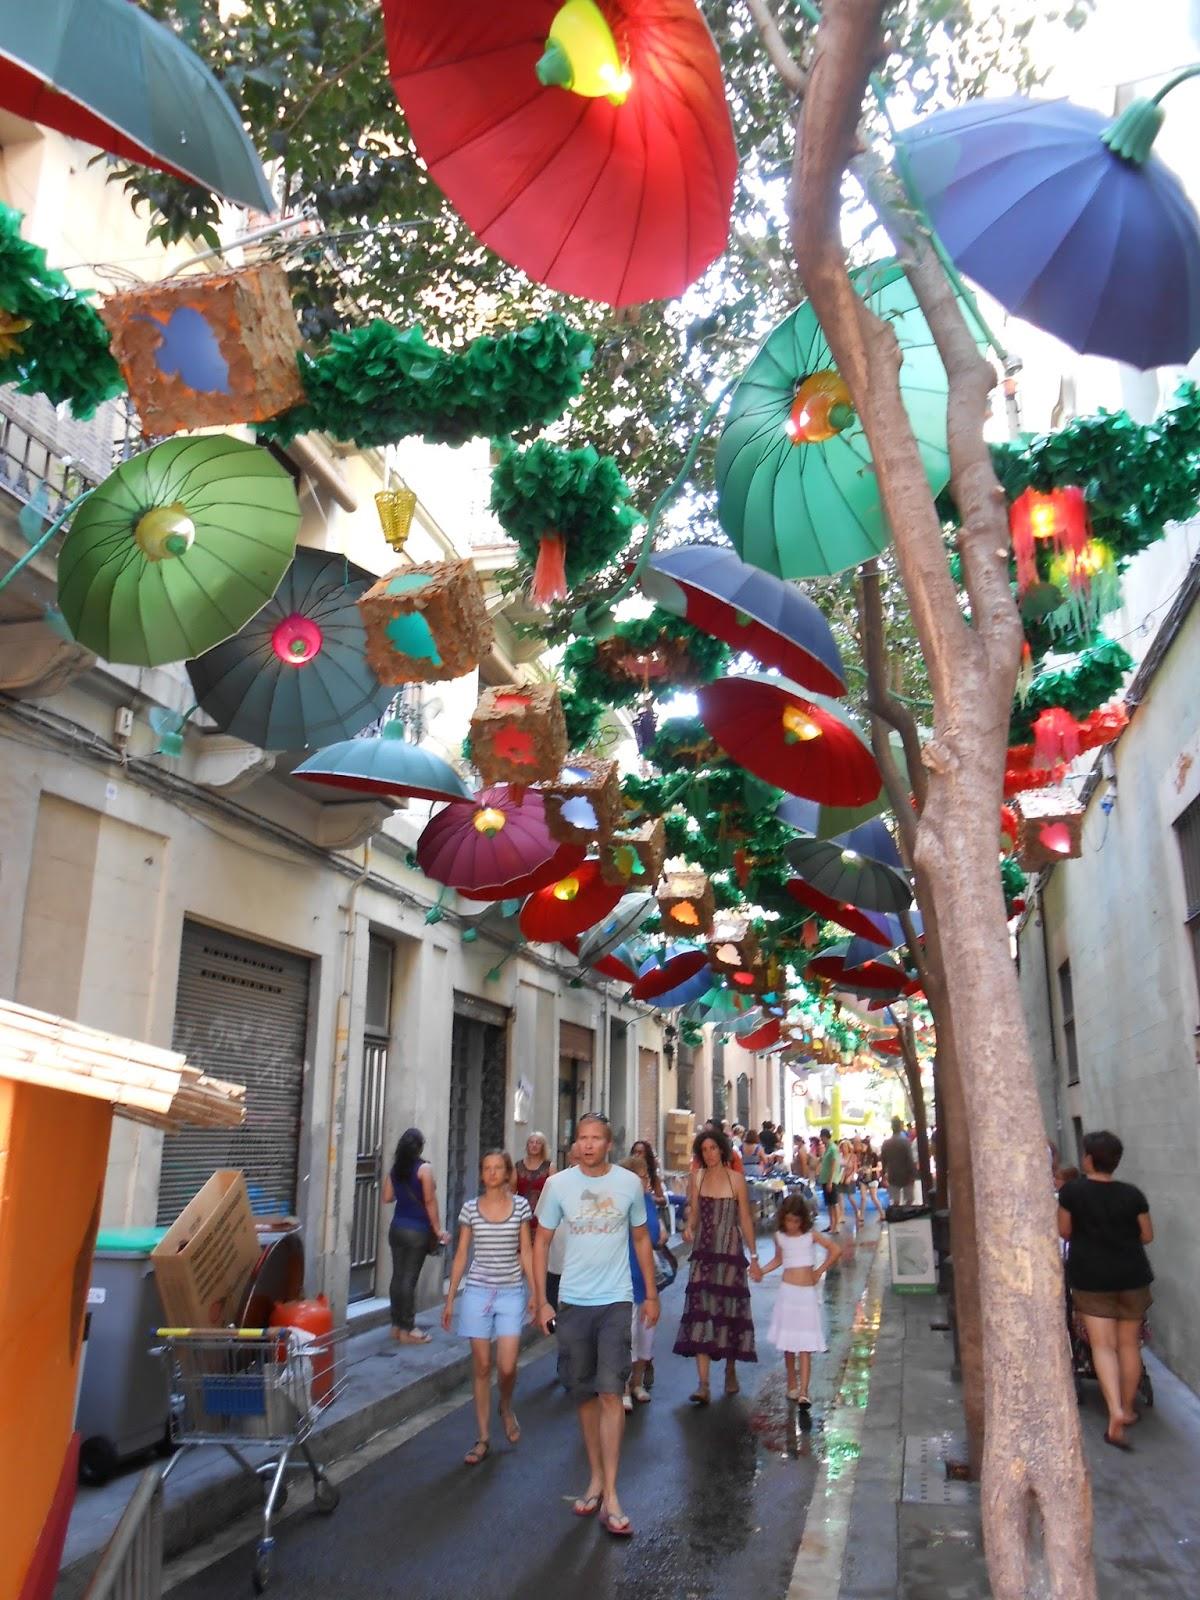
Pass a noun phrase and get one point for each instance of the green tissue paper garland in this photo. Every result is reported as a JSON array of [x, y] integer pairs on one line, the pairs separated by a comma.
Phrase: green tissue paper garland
[[375, 385], [577, 494], [64, 353]]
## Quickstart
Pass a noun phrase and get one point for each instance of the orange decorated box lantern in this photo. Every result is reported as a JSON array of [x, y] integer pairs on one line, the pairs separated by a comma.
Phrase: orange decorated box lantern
[[426, 624], [687, 904], [519, 734]]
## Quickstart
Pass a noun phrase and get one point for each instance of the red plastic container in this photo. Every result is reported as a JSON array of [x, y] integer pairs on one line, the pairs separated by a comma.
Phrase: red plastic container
[[315, 1317]]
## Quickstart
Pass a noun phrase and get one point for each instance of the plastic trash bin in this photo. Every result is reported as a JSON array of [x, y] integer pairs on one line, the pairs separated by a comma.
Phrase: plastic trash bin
[[910, 1244], [124, 1396]]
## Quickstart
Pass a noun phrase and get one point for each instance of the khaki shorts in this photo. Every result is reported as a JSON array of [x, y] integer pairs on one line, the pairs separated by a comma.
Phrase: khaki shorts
[[1116, 1305]]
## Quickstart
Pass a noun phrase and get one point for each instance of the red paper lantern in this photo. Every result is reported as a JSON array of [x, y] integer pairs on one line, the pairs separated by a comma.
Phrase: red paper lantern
[[1056, 737], [1059, 516]]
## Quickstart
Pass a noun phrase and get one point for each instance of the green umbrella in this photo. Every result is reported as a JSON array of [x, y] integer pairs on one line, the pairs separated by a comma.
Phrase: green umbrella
[[177, 550], [105, 72], [797, 491]]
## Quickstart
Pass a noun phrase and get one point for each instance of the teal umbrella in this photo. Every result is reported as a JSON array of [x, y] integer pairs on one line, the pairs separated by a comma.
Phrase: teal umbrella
[[384, 764], [297, 674], [105, 72], [797, 491]]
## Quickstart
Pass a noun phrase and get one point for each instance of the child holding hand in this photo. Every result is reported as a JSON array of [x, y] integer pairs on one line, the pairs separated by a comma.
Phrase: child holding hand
[[797, 1326]]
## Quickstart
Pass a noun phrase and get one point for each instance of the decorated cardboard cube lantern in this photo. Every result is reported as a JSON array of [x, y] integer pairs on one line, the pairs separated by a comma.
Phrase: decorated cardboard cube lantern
[[750, 979], [733, 944], [633, 857], [208, 350], [1050, 828], [519, 734], [426, 624], [686, 903], [584, 801]]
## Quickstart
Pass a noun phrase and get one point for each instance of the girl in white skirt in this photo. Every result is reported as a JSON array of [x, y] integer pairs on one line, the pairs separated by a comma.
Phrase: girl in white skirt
[[797, 1326]]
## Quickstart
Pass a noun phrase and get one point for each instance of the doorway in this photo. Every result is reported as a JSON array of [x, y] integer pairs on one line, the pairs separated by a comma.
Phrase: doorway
[[368, 1157], [478, 1079], [648, 1095]]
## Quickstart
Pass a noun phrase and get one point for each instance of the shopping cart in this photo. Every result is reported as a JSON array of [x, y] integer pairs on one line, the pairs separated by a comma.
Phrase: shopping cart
[[238, 1387]]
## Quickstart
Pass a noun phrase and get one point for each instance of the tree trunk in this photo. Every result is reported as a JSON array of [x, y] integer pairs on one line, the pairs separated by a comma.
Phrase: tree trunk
[[912, 1071], [959, 1195], [1033, 1459]]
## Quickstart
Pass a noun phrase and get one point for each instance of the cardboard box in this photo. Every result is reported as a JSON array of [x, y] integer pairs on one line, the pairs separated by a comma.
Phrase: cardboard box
[[206, 1257]]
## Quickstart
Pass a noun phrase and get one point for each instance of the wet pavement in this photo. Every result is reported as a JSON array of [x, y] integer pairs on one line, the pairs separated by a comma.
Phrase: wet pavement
[[720, 1496]]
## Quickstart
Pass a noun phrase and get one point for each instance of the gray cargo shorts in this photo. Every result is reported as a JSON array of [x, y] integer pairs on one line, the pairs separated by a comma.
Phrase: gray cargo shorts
[[594, 1349]]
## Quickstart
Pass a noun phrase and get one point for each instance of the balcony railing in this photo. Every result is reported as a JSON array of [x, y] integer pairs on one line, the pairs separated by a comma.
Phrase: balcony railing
[[49, 458]]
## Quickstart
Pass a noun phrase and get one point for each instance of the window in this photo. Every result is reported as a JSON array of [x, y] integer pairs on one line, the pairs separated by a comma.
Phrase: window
[[1187, 831], [1066, 1000], [685, 1074]]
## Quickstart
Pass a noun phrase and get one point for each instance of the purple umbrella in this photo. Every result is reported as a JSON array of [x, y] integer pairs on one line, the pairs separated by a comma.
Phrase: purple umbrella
[[1067, 219], [495, 838]]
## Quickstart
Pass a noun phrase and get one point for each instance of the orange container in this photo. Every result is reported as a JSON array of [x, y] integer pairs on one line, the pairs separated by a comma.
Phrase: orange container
[[315, 1317]]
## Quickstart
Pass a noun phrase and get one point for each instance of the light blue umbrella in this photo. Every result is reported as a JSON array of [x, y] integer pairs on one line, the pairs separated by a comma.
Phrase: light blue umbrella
[[384, 764]]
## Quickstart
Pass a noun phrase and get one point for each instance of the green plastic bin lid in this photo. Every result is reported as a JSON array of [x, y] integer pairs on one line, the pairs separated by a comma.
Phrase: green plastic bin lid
[[129, 1241]]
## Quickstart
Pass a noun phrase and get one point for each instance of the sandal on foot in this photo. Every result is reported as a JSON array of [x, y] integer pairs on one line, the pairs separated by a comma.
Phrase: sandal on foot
[[794, 1395], [1117, 1444], [478, 1452], [804, 1402], [700, 1397], [732, 1386], [642, 1396], [587, 1505], [619, 1527], [512, 1428]]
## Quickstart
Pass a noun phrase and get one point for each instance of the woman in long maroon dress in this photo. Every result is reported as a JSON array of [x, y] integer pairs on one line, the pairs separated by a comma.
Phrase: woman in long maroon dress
[[717, 1324]]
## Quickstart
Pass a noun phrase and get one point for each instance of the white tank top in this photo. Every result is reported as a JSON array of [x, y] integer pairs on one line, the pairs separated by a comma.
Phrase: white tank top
[[797, 1249]]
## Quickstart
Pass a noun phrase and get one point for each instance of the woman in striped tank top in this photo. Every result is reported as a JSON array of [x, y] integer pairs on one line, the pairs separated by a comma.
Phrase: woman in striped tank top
[[498, 1297]]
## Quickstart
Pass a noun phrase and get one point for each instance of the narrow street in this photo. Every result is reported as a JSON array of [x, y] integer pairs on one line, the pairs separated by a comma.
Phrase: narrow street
[[718, 1497]]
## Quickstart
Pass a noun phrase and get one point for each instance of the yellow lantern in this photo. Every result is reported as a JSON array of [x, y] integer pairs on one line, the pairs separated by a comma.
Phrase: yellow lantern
[[581, 55]]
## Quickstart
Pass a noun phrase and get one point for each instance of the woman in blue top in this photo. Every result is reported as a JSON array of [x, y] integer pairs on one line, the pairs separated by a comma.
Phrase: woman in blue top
[[415, 1226], [642, 1341]]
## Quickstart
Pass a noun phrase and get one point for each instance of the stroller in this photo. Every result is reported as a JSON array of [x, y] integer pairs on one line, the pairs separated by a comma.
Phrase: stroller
[[1081, 1353]]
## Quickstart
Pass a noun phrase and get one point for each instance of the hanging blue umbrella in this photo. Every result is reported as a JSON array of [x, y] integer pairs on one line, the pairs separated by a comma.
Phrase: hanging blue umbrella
[[1067, 219], [617, 928], [384, 764], [870, 839], [751, 610], [845, 871], [296, 675]]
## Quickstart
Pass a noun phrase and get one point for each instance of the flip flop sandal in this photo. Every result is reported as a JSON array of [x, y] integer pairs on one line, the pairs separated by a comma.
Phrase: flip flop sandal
[[512, 1428], [588, 1505], [700, 1397], [1118, 1444], [616, 1529], [478, 1452]]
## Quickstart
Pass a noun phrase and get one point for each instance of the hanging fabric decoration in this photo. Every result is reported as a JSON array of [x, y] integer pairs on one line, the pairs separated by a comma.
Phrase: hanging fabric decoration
[[1055, 738], [1088, 579], [567, 510], [209, 350], [518, 734], [426, 624]]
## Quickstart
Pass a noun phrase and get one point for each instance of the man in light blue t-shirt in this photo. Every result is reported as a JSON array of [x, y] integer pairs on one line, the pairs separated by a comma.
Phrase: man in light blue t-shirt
[[599, 1205]]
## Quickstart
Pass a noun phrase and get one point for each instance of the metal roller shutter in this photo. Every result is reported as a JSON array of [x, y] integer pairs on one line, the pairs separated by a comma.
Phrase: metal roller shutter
[[241, 1013]]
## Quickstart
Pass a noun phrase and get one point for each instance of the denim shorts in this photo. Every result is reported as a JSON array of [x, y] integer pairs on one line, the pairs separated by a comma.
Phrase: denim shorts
[[492, 1311], [594, 1355]]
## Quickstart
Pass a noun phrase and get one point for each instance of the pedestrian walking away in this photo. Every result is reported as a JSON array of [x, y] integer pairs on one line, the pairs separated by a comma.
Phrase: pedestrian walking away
[[848, 1184], [717, 1322], [829, 1174], [597, 1204], [797, 1323], [415, 1232], [899, 1165], [494, 1235], [530, 1173], [641, 1337], [1107, 1225]]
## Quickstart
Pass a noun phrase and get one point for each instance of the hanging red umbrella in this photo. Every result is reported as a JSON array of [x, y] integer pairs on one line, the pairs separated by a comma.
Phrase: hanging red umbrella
[[879, 973], [571, 905], [799, 741], [561, 862], [887, 1047], [590, 145], [764, 1037], [666, 970], [853, 918], [496, 839]]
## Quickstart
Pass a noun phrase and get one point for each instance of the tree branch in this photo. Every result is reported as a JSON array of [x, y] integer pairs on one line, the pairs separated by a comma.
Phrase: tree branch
[[865, 349], [789, 69], [885, 707], [985, 539]]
